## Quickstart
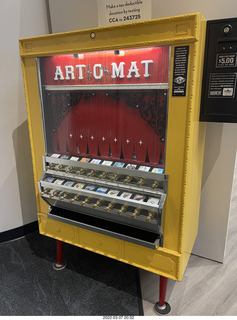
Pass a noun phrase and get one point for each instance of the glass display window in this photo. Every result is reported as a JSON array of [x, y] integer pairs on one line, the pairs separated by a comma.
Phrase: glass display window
[[108, 105]]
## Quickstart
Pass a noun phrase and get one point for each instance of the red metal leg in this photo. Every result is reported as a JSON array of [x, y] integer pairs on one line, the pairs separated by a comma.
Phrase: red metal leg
[[59, 251], [163, 289], [162, 307], [59, 265]]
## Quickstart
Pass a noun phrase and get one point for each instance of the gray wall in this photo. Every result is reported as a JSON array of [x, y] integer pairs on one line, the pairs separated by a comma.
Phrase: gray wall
[[18, 19]]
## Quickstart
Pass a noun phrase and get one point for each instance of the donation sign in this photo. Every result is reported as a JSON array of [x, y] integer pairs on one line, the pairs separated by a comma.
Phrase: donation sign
[[112, 12]]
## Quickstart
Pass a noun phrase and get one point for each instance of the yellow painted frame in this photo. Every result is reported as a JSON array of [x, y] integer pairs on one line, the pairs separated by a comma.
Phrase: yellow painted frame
[[185, 138]]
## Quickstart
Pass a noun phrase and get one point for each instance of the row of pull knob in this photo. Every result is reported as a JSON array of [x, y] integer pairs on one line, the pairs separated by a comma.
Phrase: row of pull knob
[[98, 203], [102, 175]]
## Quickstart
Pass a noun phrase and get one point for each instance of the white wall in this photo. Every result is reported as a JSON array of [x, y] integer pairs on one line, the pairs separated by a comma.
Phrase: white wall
[[73, 15], [18, 19], [218, 172], [82, 14], [211, 9]]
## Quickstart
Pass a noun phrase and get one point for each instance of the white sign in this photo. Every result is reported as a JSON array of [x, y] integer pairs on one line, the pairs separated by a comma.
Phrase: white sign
[[98, 73], [112, 12]]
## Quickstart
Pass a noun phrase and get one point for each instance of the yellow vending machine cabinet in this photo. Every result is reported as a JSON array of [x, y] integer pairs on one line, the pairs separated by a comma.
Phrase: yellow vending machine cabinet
[[117, 145]]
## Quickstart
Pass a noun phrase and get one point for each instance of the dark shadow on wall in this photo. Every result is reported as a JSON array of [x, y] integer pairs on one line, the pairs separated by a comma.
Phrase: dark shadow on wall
[[21, 145]]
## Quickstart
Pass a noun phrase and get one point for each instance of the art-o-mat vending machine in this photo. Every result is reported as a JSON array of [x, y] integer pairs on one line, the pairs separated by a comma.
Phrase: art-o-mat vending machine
[[117, 145]]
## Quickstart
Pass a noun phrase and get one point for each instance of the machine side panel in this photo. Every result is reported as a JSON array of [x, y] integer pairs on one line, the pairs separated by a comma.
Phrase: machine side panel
[[195, 153], [35, 123]]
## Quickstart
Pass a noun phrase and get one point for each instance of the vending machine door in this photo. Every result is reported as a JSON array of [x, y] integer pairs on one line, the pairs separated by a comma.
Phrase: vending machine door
[[105, 115]]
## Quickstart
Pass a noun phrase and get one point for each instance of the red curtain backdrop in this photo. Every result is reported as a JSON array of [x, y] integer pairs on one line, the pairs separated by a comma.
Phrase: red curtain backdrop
[[122, 125]]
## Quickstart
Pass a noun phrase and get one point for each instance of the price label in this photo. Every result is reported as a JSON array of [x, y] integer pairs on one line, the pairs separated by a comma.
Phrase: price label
[[226, 60]]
